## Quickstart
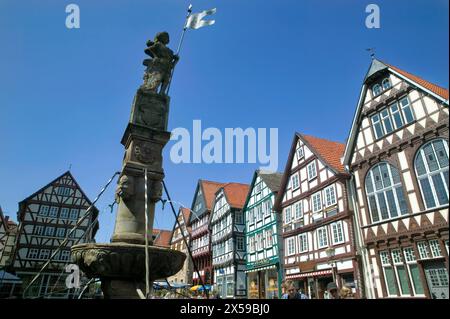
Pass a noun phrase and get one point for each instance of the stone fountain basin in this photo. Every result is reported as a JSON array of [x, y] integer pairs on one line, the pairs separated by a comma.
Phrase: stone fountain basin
[[126, 261]]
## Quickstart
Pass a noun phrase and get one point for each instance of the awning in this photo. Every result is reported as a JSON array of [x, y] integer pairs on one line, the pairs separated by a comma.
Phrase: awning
[[200, 288], [7, 278], [164, 285], [310, 274], [261, 268]]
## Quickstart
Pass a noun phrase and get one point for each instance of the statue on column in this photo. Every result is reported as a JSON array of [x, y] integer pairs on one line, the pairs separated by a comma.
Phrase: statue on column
[[160, 66]]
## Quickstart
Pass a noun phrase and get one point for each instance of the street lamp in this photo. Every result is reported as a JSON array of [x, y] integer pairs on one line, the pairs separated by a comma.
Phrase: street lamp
[[330, 253]]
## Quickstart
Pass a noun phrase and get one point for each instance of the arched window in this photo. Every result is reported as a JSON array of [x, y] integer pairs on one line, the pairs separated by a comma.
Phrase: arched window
[[386, 84], [385, 193], [431, 165], [376, 89]]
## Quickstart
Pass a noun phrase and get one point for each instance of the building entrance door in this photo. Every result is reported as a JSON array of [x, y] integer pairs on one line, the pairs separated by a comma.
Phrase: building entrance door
[[437, 279], [262, 284]]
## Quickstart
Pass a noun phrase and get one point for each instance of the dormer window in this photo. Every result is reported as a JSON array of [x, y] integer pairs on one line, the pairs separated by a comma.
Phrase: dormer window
[[379, 87], [376, 89], [386, 84]]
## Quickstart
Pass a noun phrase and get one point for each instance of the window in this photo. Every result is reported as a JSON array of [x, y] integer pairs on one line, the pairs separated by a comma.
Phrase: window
[[43, 211], [330, 196], [431, 166], [295, 182], [33, 253], [239, 219], [49, 231], [300, 153], [312, 172], [64, 213], [74, 214], [64, 191], [60, 232], [316, 202], [303, 243], [413, 270], [386, 84], [406, 110], [44, 254], [230, 286], [298, 210], [389, 275], [252, 244], [401, 272], [338, 233], [268, 236], [268, 207], [290, 246], [435, 249], [322, 237], [423, 250], [53, 211], [376, 89], [38, 230], [287, 215], [240, 243], [385, 193], [395, 116], [65, 255]]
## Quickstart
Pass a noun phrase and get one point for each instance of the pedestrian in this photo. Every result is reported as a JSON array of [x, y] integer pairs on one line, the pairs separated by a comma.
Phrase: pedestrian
[[292, 292], [333, 292], [346, 293]]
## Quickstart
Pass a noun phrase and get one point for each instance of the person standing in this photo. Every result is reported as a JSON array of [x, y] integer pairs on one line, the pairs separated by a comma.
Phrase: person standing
[[292, 292]]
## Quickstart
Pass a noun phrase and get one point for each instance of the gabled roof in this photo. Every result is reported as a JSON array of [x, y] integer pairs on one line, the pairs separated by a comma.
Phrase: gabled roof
[[209, 189], [162, 237], [186, 213], [236, 193], [329, 152], [271, 179], [67, 173], [434, 90]]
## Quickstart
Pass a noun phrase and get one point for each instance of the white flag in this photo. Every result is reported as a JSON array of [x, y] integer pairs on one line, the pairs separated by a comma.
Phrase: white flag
[[195, 20]]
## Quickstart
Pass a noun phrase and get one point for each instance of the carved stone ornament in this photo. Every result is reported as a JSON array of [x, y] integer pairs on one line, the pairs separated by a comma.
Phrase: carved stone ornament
[[145, 153], [125, 188]]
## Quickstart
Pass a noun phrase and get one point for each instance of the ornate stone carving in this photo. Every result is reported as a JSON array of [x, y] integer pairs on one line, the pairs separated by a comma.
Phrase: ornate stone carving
[[145, 152], [125, 188], [150, 111]]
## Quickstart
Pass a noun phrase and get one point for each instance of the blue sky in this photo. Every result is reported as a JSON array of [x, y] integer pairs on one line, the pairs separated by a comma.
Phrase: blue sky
[[65, 95]]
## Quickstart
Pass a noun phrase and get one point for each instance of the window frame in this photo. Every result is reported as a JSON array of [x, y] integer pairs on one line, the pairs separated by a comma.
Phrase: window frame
[[338, 226], [303, 246], [312, 164], [428, 175], [323, 230]]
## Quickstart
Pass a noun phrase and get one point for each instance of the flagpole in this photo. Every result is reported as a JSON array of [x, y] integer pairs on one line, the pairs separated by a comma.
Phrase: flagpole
[[189, 11]]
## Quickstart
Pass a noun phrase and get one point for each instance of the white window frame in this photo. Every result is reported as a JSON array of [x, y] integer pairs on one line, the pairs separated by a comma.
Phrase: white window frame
[[324, 231], [396, 263], [286, 210], [313, 206], [332, 190], [298, 207], [300, 153], [47, 229], [71, 216], [44, 254], [423, 249], [53, 212], [435, 248], [309, 170], [376, 85], [428, 175], [410, 259], [38, 230], [290, 245], [33, 253], [44, 210], [338, 227], [295, 181], [303, 246]]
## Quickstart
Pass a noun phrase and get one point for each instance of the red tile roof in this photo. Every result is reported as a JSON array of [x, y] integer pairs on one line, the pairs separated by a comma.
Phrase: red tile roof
[[330, 152], [236, 194], [209, 190], [162, 237], [428, 85], [186, 212]]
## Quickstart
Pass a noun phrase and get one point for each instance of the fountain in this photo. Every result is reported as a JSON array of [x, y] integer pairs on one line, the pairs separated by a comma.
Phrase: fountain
[[121, 264]]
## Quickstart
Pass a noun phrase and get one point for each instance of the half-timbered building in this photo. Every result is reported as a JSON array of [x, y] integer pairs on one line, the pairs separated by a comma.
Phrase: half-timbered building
[[180, 231], [319, 245], [200, 233], [227, 226], [263, 237], [45, 219], [8, 233], [397, 151]]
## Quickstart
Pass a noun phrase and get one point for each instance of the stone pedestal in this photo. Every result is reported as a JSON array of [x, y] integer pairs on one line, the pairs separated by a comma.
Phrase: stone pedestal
[[121, 264]]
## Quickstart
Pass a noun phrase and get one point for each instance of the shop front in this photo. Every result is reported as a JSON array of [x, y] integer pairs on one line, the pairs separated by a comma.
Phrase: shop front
[[264, 282]]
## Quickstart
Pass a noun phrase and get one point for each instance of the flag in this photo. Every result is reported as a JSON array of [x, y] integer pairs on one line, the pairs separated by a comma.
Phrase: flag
[[195, 21]]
